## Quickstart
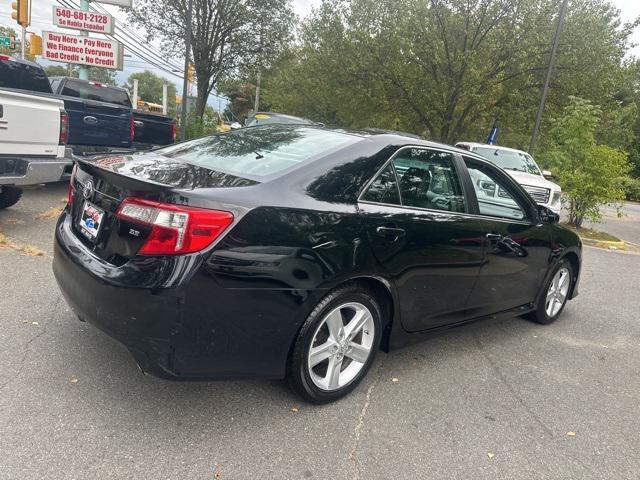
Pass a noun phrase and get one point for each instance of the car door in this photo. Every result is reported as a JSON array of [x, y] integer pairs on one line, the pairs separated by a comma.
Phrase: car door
[[414, 213], [517, 246]]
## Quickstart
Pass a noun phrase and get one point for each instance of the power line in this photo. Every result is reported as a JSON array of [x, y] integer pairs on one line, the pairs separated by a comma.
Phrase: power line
[[166, 67]]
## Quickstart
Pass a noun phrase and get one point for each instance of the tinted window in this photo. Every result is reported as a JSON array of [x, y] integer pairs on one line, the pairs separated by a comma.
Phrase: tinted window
[[509, 160], [428, 179], [494, 199], [384, 188], [23, 76], [259, 151], [89, 91]]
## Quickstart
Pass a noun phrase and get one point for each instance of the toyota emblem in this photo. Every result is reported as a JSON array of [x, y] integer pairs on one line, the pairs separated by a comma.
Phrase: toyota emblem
[[87, 190]]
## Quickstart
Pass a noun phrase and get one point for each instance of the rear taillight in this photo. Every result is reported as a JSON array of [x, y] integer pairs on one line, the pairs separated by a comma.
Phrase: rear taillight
[[64, 128], [132, 129], [175, 229], [174, 131], [70, 186]]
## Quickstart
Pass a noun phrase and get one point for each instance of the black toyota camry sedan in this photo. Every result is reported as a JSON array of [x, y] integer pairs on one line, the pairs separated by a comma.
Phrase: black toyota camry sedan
[[299, 252]]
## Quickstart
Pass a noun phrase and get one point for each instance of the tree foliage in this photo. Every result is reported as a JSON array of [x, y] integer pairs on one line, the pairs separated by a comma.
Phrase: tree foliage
[[150, 89], [96, 74], [590, 174], [227, 35], [446, 68]]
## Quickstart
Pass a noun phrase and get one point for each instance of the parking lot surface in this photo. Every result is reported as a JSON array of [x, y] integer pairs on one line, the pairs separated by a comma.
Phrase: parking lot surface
[[502, 399]]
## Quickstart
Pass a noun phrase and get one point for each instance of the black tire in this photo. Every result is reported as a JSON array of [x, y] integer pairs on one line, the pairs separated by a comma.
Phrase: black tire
[[540, 315], [298, 374], [9, 196]]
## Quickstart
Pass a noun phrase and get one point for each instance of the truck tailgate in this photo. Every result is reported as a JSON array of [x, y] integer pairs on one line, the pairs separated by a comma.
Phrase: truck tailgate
[[29, 124], [98, 123], [152, 128]]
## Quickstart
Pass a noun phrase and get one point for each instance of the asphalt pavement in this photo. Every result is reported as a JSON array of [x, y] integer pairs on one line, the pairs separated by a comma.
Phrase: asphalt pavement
[[625, 227], [504, 399]]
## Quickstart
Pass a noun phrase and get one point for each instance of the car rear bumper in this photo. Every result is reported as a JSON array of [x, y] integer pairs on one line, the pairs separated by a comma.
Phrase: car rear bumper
[[138, 318], [16, 170], [192, 330]]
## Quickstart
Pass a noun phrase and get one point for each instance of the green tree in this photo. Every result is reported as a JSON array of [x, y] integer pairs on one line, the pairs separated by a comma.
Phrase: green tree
[[447, 68], [96, 74], [590, 174], [150, 89], [227, 36], [56, 71]]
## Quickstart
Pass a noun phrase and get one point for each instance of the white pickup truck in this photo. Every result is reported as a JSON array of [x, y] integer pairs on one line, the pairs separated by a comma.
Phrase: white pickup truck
[[33, 133]]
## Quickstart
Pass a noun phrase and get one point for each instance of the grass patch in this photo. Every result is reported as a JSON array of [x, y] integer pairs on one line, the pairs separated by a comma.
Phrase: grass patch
[[593, 234]]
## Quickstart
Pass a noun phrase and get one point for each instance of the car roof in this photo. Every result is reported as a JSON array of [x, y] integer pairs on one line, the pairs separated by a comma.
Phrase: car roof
[[488, 145], [22, 61], [283, 115]]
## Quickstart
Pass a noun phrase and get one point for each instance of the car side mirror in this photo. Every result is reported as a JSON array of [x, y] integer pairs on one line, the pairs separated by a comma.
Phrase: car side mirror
[[546, 215], [547, 174]]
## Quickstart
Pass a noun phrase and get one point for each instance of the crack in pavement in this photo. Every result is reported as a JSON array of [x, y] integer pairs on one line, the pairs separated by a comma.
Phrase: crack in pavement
[[505, 381], [25, 350], [361, 418]]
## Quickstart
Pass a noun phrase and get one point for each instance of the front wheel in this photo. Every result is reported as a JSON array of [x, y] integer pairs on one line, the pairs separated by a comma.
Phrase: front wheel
[[555, 295], [9, 196], [336, 345]]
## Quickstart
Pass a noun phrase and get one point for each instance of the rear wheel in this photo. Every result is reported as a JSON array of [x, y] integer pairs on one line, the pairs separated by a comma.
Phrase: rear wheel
[[336, 345], [9, 196], [555, 295]]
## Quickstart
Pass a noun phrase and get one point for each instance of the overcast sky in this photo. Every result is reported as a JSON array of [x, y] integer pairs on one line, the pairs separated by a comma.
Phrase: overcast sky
[[41, 20]]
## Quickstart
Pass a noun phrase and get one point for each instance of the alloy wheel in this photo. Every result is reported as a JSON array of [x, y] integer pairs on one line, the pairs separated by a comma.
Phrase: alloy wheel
[[557, 293], [341, 346]]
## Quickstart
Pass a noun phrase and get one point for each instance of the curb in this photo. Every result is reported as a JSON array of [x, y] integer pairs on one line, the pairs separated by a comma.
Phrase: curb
[[611, 245]]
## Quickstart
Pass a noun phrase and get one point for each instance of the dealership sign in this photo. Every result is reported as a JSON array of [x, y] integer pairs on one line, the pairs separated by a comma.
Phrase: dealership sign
[[89, 21], [90, 51]]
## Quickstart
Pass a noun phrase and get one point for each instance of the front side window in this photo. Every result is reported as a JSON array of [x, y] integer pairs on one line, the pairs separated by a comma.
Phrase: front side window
[[494, 199], [428, 179]]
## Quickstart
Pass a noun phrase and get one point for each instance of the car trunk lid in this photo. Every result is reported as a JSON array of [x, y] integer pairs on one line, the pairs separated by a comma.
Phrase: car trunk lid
[[100, 185]]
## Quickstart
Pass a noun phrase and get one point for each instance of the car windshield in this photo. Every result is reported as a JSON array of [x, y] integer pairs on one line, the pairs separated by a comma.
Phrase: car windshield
[[95, 91], [509, 159], [259, 152]]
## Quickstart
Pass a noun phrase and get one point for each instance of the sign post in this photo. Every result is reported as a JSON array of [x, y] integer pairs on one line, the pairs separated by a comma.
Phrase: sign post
[[83, 72]]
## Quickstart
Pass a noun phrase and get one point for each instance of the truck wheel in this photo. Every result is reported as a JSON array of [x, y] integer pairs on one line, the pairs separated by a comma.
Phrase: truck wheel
[[9, 196]]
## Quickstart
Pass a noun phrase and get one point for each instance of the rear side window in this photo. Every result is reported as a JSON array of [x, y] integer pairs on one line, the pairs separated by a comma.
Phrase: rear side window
[[23, 76], [384, 189], [428, 179], [260, 151], [100, 93]]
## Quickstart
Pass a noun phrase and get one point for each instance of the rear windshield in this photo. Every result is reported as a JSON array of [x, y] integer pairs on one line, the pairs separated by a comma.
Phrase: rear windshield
[[23, 76], [101, 93], [259, 151], [269, 118]]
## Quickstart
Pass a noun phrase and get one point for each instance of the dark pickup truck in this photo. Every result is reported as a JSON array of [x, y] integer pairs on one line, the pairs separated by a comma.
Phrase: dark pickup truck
[[100, 116], [152, 129]]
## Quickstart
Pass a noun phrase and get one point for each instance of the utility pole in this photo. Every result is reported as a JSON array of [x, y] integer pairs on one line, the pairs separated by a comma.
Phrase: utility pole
[[24, 40], [187, 55], [547, 79], [83, 71]]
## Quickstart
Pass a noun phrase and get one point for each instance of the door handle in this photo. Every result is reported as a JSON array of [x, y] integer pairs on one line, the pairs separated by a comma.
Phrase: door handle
[[391, 233], [494, 237]]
